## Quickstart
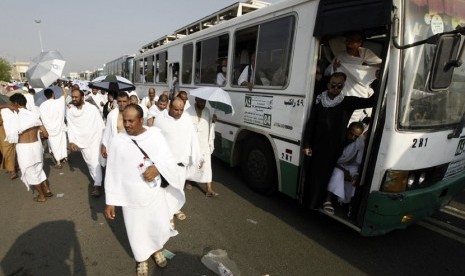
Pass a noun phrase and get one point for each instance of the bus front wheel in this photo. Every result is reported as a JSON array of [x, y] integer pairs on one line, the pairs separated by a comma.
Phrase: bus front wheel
[[258, 166]]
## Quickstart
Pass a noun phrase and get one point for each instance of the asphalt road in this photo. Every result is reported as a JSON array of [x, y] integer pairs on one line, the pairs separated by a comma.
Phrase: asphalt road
[[68, 235]]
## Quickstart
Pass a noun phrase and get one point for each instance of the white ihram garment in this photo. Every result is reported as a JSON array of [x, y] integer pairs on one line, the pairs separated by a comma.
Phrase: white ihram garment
[[85, 127], [110, 131], [206, 136], [350, 160], [147, 210], [52, 113], [30, 155]]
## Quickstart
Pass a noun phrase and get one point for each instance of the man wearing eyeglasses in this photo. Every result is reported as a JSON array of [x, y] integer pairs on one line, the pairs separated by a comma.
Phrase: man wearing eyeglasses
[[361, 66], [325, 134]]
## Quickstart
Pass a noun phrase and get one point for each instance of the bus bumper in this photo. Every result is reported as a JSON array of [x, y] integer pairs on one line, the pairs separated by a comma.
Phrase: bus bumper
[[389, 211]]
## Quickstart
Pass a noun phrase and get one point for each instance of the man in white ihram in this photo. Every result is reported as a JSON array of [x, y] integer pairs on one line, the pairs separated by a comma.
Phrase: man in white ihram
[[52, 114], [85, 128], [182, 139], [204, 125], [361, 66], [114, 124], [137, 160]]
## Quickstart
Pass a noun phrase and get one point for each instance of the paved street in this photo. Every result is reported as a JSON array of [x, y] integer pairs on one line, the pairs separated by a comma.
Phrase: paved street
[[68, 235]]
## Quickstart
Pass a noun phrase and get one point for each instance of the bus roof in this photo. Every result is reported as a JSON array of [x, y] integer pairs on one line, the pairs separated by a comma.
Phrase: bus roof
[[230, 12]]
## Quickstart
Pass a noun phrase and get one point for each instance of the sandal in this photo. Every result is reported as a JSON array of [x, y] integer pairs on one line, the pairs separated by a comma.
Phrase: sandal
[[97, 192], [13, 175], [37, 199], [48, 194], [142, 269], [58, 166], [160, 259], [211, 194], [328, 208], [180, 215]]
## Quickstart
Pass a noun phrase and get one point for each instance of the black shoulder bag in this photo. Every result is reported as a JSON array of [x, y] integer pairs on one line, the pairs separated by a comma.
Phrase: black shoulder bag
[[164, 183]]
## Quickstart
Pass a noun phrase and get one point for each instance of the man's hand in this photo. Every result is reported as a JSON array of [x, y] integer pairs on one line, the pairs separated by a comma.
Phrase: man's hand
[[110, 212], [336, 64], [250, 86], [307, 151], [73, 147], [103, 151], [214, 118], [150, 173]]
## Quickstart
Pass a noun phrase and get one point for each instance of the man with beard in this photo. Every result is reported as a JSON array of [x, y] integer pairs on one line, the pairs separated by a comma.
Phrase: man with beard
[[139, 160], [204, 124], [85, 127], [181, 137], [52, 114], [345, 174]]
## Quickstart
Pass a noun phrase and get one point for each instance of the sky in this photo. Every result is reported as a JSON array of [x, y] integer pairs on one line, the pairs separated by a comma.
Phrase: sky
[[89, 33]]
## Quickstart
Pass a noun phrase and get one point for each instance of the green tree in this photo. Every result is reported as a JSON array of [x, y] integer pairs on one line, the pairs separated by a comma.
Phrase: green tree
[[5, 70]]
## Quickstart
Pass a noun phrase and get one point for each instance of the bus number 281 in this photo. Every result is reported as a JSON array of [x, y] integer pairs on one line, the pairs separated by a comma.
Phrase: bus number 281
[[418, 143]]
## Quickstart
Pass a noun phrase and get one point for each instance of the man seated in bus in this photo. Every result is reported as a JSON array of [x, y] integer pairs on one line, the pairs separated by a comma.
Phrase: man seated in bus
[[360, 65], [325, 135], [345, 174], [246, 77]]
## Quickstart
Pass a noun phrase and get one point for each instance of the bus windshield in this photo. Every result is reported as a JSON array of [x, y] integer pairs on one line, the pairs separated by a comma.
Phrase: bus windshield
[[419, 107]]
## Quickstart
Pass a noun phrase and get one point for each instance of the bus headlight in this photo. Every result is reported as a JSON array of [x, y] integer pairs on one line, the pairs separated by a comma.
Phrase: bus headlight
[[421, 178], [410, 180], [395, 181]]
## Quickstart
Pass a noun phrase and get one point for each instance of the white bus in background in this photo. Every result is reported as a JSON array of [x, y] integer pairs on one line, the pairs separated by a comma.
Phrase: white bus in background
[[122, 66], [414, 160]]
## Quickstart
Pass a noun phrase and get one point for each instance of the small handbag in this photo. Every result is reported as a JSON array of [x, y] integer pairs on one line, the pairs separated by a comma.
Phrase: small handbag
[[164, 183]]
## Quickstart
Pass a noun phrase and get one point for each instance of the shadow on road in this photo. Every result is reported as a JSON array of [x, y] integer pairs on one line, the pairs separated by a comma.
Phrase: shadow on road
[[51, 248], [413, 251]]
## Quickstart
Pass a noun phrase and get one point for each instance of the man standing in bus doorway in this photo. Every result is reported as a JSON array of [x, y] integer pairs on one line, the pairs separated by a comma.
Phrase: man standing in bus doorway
[[360, 65], [325, 135], [204, 124], [147, 204]]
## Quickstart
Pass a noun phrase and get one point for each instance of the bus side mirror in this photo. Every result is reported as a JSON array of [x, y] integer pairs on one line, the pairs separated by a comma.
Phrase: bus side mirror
[[444, 62]]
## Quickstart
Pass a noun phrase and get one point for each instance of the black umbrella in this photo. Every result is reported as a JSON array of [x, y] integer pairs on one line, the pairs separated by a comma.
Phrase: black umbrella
[[112, 83]]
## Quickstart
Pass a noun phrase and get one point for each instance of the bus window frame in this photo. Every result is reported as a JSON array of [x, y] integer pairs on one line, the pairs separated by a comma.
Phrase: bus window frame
[[156, 55], [181, 73], [228, 33], [291, 54]]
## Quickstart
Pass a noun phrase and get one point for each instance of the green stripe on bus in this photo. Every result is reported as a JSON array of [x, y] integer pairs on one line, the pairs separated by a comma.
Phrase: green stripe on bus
[[289, 178]]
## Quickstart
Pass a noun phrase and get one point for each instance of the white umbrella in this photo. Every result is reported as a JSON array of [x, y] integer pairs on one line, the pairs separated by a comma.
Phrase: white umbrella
[[216, 97], [45, 69]]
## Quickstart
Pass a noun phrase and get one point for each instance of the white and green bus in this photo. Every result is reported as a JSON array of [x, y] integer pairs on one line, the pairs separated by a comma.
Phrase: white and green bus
[[414, 158]]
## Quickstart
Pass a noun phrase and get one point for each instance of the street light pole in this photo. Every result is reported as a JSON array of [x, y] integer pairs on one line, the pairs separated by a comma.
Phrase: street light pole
[[38, 21]]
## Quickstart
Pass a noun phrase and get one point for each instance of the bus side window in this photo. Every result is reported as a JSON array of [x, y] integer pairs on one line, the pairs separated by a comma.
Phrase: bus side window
[[245, 45], [274, 52], [208, 56]]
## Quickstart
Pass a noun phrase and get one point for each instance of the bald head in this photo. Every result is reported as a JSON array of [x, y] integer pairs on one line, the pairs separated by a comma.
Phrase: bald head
[[176, 108]]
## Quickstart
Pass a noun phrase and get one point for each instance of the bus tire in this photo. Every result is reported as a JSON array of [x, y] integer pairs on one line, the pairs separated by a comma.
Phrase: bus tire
[[258, 166]]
